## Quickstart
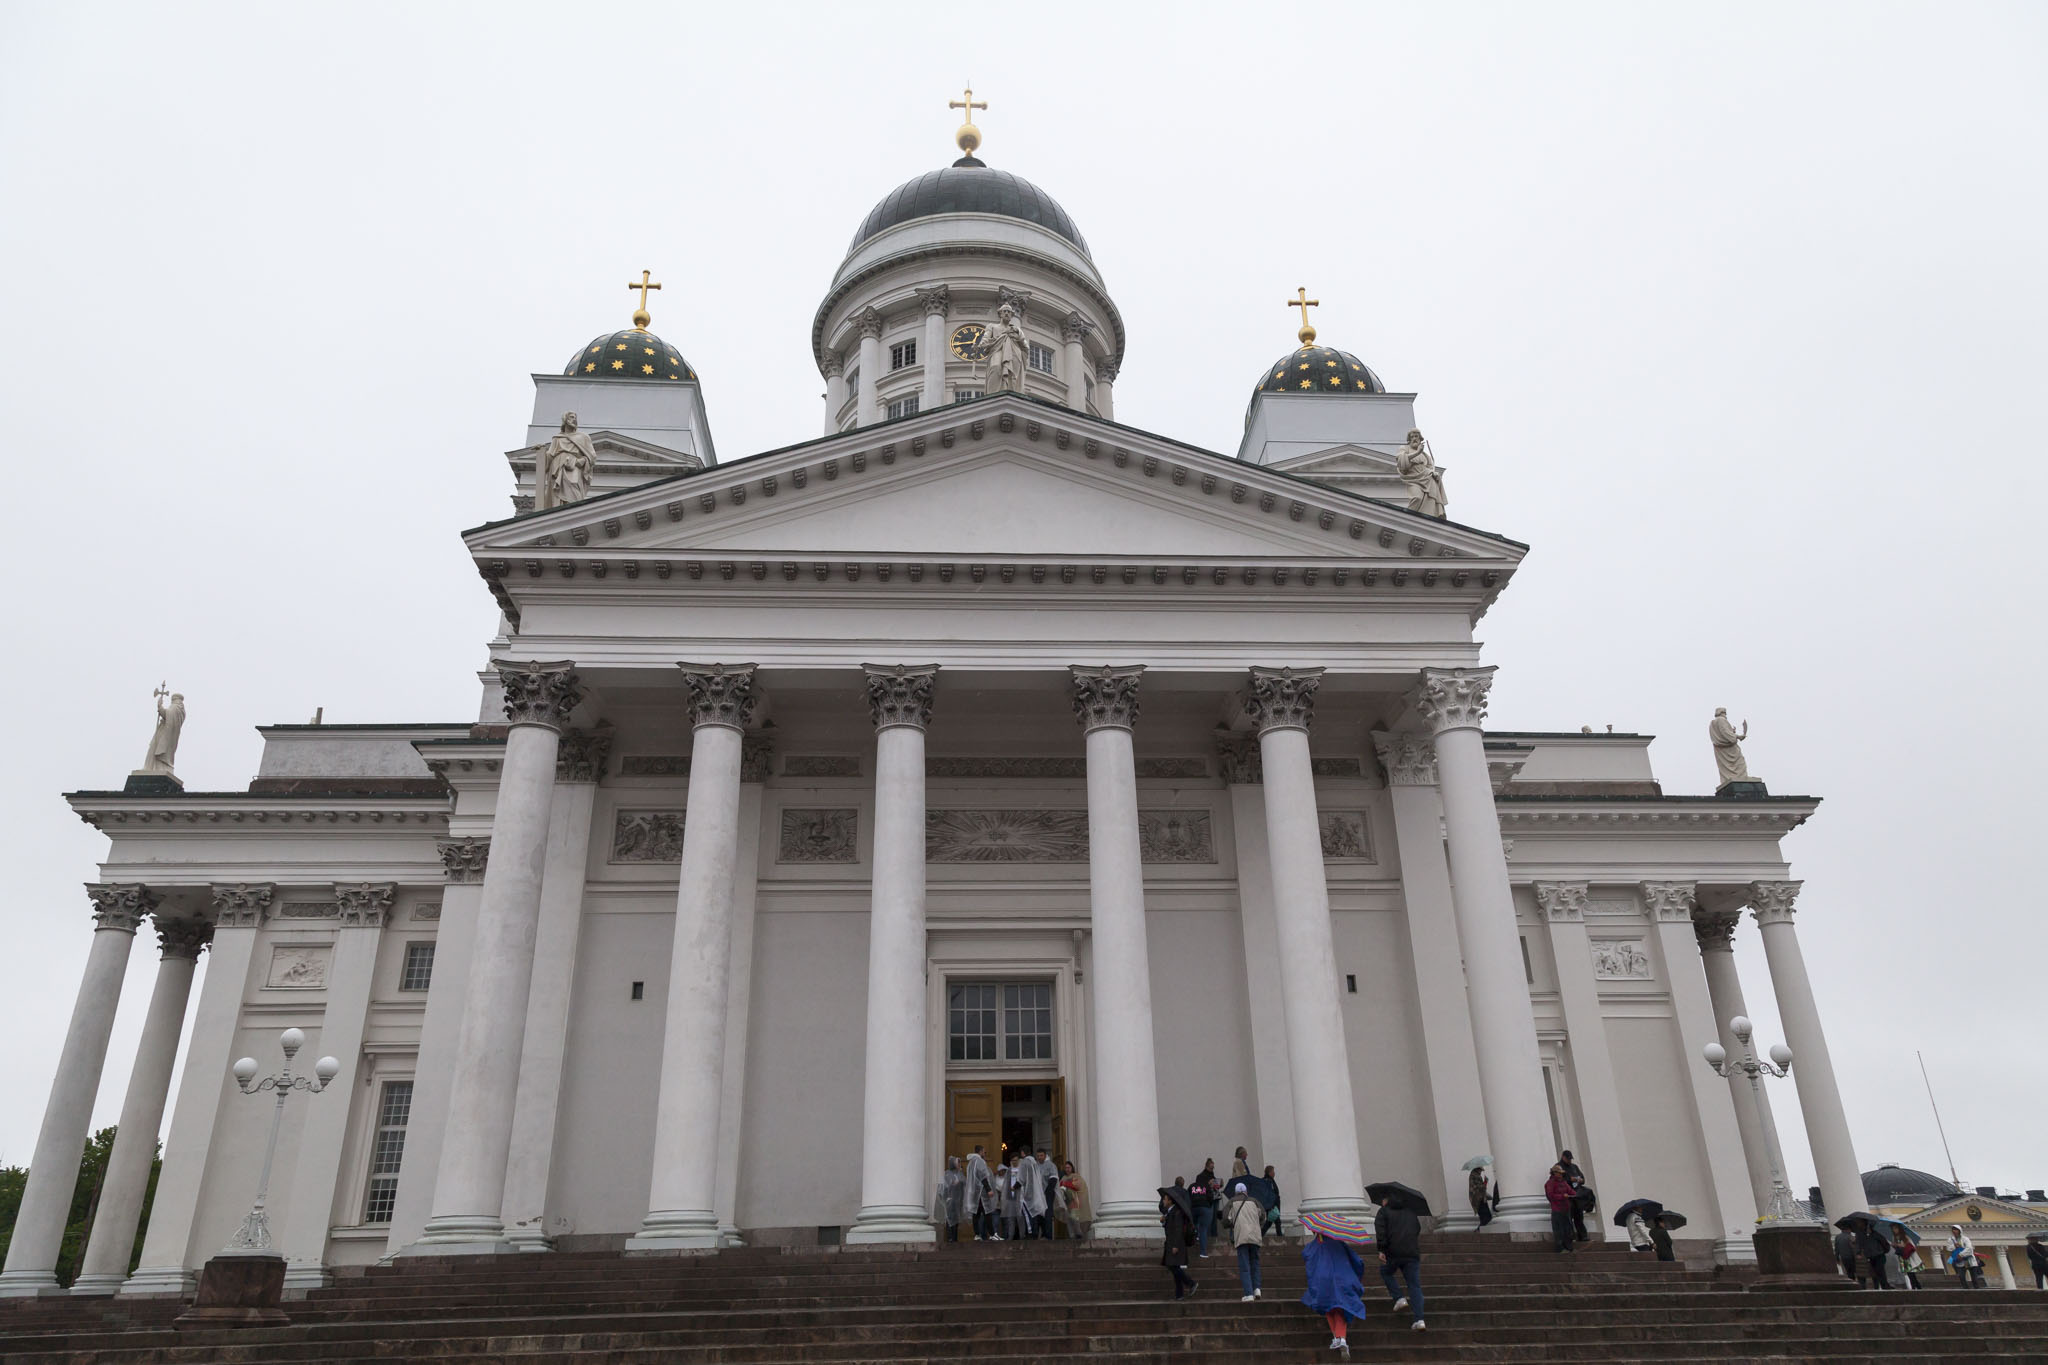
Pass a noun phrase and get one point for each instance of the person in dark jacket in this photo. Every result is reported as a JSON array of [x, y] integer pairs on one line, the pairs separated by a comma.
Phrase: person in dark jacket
[[1660, 1238], [1578, 1179], [1477, 1195], [2037, 1259], [1562, 1196], [1845, 1254], [1872, 1247], [1177, 1217], [1397, 1232], [1273, 1214], [1203, 1190]]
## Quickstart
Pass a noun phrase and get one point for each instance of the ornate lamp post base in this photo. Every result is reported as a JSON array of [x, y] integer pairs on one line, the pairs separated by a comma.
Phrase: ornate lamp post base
[[238, 1289]]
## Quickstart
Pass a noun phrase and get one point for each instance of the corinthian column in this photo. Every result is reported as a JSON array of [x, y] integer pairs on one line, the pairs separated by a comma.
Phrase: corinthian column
[[1715, 931], [1126, 1083], [1074, 332], [1105, 378], [469, 1188], [1564, 907], [936, 301], [835, 390], [1827, 1125], [1281, 701], [892, 1190], [53, 1170], [142, 1111], [1453, 702], [867, 407], [682, 1201]]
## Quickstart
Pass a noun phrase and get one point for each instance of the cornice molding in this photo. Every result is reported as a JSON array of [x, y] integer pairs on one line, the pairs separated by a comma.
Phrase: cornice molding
[[1528, 818], [207, 812]]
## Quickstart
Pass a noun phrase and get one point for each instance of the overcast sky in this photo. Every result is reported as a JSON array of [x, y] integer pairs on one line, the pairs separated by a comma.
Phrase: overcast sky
[[1733, 312]]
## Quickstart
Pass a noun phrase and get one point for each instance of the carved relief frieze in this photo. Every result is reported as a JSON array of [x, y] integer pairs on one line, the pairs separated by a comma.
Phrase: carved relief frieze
[[297, 967], [1006, 836], [647, 836], [1173, 767], [427, 912], [1032, 765], [303, 909], [819, 836], [655, 765], [1346, 835], [1621, 959], [821, 765], [1176, 836], [1336, 767]]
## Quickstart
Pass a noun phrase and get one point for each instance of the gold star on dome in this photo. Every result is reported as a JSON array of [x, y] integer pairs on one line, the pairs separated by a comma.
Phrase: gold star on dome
[[648, 349], [647, 369], [622, 345], [1280, 374], [591, 366], [1331, 363], [595, 349], [1336, 379], [618, 364], [1361, 383], [1304, 383], [1304, 364]]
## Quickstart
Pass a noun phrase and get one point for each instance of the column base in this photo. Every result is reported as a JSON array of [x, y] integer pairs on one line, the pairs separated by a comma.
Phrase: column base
[[1462, 1221], [28, 1284], [891, 1223], [300, 1275], [529, 1238], [461, 1234], [96, 1286], [675, 1230], [1522, 1213], [159, 1281], [729, 1235], [1127, 1220], [1735, 1250], [1342, 1207]]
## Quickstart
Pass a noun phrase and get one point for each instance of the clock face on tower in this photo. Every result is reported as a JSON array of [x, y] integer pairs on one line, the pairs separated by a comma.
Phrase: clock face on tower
[[970, 340]]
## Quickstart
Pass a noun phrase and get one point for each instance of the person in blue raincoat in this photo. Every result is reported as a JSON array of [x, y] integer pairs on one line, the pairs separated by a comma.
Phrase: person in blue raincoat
[[1336, 1279]]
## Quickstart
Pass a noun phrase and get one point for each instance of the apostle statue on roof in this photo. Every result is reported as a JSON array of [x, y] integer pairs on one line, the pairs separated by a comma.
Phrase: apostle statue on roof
[[1009, 354], [163, 743], [563, 473], [1425, 480], [1728, 747]]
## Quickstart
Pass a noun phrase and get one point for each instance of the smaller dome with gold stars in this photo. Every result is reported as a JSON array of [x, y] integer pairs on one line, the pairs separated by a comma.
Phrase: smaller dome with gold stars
[[635, 353], [1319, 369]]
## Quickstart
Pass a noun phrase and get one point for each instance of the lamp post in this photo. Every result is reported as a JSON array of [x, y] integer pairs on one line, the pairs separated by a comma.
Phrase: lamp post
[[254, 1234], [1780, 1208]]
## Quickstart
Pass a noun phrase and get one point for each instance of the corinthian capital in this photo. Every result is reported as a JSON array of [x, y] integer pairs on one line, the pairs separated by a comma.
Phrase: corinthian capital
[[757, 758], [1282, 698], [1106, 697], [835, 364], [242, 905], [1771, 902], [582, 755], [1452, 698], [1715, 929], [1243, 763], [869, 320], [119, 907], [464, 860], [1105, 369], [1562, 902], [1075, 328], [1409, 756], [720, 694], [900, 694], [935, 300], [365, 905], [182, 937], [1669, 902], [540, 694]]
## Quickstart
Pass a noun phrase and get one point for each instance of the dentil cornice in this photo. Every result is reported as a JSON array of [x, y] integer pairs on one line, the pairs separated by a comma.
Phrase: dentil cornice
[[120, 907], [540, 694], [1771, 902], [182, 937], [1282, 698], [1669, 902], [900, 694], [1562, 902], [1106, 697], [720, 694], [1452, 698], [1715, 929], [241, 905], [1409, 757], [464, 860], [364, 905]]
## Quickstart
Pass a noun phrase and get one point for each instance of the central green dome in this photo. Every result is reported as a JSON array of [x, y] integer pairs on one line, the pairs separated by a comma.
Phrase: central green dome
[[969, 186]]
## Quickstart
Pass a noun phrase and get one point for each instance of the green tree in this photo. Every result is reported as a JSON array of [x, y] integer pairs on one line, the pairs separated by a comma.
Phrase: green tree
[[85, 1202]]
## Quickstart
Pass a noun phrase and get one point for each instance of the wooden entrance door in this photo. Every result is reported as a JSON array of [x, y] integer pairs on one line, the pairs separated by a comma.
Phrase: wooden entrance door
[[974, 1114]]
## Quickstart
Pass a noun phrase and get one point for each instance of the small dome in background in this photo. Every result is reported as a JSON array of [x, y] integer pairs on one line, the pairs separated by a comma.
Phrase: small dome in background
[[635, 353], [1904, 1185]]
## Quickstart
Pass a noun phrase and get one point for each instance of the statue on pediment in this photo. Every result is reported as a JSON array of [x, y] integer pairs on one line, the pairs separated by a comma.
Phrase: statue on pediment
[[562, 475], [1009, 354], [1728, 747], [1425, 480], [163, 744]]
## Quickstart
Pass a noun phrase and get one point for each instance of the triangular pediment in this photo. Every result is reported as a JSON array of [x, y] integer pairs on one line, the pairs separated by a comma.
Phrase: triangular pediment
[[1991, 1213]]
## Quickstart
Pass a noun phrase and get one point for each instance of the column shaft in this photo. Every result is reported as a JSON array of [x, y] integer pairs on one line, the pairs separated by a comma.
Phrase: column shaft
[[53, 1170], [112, 1242], [1606, 1159], [893, 1184], [1105, 379], [867, 408], [738, 1002], [934, 344], [1263, 988], [1724, 994], [835, 391], [1827, 1124]]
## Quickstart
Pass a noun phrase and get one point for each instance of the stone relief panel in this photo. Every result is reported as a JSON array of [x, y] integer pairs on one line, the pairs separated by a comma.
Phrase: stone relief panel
[[647, 836], [821, 765], [1346, 835], [1176, 836], [1031, 766], [655, 765], [1612, 909], [819, 836], [1006, 836], [1337, 767], [429, 911], [1621, 959], [298, 967], [308, 910], [1173, 767]]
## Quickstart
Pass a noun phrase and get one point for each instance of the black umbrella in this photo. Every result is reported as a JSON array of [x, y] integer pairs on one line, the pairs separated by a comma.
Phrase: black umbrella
[[1399, 1196], [1883, 1225], [1258, 1187], [1649, 1208], [1672, 1220]]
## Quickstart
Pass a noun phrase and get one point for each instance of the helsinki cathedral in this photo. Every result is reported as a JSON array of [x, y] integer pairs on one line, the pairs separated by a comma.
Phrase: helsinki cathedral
[[986, 770]]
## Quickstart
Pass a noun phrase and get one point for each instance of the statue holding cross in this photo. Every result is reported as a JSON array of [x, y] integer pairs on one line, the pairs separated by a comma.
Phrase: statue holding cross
[[163, 743]]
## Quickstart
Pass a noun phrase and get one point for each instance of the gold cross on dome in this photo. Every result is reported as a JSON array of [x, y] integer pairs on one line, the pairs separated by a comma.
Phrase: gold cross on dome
[[640, 315], [1302, 301], [969, 136]]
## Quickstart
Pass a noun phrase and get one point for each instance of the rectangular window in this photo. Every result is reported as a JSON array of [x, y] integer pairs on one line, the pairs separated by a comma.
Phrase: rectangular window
[[971, 1022], [1027, 1022], [418, 972], [1009, 1021], [387, 1149], [962, 395], [903, 407], [853, 382], [901, 354], [1041, 358]]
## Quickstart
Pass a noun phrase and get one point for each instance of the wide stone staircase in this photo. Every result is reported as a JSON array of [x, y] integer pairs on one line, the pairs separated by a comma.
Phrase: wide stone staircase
[[1489, 1299]]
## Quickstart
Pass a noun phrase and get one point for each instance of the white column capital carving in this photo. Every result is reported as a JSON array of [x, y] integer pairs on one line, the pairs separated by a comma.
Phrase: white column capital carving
[[757, 758], [1106, 696], [900, 694], [1075, 328], [1452, 698], [835, 365], [583, 753], [869, 321], [120, 907], [540, 694], [936, 300], [365, 905], [1242, 761], [720, 694], [1562, 902], [1669, 902], [1715, 930], [182, 937], [1771, 902], [1409, 757], [242, 905], [463, 860], [1282, 698], [1105, 369], [1017, 299]]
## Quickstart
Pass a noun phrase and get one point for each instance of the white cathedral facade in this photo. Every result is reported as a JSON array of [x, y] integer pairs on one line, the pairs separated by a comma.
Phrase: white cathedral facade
[[982, 771]]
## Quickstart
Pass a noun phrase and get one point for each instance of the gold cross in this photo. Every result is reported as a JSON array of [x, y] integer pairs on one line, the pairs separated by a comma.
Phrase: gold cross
[[1302, 301], [969, 136], [640, 315]]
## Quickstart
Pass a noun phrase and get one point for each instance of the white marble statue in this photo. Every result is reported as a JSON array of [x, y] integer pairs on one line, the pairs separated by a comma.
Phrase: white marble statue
[[163, 745], [1728, 747], [1009, 354], [1425, 480], [565, 467]]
